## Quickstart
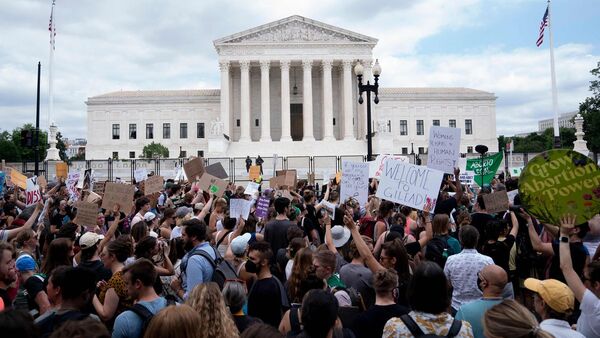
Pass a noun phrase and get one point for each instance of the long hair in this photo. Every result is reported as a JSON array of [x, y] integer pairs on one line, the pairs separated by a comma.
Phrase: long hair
[[175, 322], [510, 319], [216, 321], [301, 268], [440, 224], [57, 255]]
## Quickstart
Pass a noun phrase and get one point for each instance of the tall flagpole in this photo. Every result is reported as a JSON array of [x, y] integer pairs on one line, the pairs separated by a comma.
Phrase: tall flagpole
[[52, 154], [553, 75]]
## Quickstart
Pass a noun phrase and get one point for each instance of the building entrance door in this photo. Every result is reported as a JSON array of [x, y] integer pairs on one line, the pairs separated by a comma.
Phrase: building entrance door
[[297, 129]]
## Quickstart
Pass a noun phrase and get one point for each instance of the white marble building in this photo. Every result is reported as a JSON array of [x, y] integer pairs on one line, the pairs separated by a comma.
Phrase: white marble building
[[287, 88]]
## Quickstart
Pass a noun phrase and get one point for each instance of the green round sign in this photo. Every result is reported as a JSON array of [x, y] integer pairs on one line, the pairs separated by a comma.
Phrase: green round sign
[[560, 181]]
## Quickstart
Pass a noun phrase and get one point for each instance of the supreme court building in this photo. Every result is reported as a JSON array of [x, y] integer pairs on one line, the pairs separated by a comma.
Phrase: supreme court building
[[287, 88]]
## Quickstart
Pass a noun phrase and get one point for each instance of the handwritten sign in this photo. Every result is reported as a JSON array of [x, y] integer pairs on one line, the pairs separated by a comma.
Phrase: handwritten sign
[[289, 177], [72, 180], [194, 168], [98, 187], [212, 184], [87, 213], [376, 167], [117, 193], [275, 182], [262, 207], [61, 170], [283, 193], [496, 202], [356, 181], [239, 207], [141, 174], [252, 188], [153, 184], [254, 172], [410, 185], [490, 166], [217, 170], [18, 179], [92, 197], [33, 194], [444, 148]]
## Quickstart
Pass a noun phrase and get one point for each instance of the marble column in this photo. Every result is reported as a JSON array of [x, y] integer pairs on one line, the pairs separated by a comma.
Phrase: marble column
[[224, 66], [285, 101], [348, 112], [265, 104], [245, 102], [307, 104], [327, 102]]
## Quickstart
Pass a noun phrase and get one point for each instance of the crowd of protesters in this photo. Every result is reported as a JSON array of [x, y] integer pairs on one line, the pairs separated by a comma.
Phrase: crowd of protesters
[[177, 265]]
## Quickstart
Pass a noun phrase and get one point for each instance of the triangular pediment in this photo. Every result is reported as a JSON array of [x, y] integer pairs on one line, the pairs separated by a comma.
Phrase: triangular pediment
[[295, 29]]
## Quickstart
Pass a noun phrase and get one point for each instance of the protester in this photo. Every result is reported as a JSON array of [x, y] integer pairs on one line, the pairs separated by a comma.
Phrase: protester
[[234, 295], [276, 230], [15, 323], [509, 319], [216, 322], [303, 262], [174, 321], [33, 285], [8, 272], [319, 314]]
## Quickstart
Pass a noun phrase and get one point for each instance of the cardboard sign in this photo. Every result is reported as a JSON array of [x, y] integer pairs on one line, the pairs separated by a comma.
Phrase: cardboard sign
[[444, 148], [62, 169], [141, 174], [239, 207], [262, 207], [376, 167], [276, 182], [99, 187], [560, 181], [212, 184], [217, 170], [117, 193], [290, 177], [254, 172], [87, 213], [194, 169], [490, 166], [153, 184], [32, 194], [93, 197], [18, 179], [252, 188], [338, 177], [72, 180], [41, 181], [496, 202], [356, 181], [283, 193], [411, 185]]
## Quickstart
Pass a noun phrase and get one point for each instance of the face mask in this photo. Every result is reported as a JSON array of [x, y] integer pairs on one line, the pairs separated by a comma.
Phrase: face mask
[[251, 267]]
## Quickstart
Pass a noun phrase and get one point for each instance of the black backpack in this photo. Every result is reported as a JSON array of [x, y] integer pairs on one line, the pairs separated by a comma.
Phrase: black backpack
[[145, 314], [418, 333], [222, 269], [438, 250]]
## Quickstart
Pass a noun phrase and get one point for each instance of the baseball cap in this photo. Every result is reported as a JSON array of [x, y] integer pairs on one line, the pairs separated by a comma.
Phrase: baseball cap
[[89, 239], [182, 212], [149, 216], [554, 293], [239, 244], [25, 263]]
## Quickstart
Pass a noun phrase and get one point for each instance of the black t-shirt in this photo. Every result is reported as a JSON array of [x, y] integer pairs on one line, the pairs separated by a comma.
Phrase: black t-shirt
[[98, 268], [53, 321], [309, 226], [371, 322], [59, 220], [264, 301], [276, 233], [5, 298], [446, 206], [33, 285], [412, 248], [579, 253], [244, 322], [499, 251], [480, 220]]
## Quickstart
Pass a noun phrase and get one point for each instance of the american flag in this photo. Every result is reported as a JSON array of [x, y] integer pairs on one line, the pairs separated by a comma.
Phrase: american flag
[[52, 27], [543, 25]]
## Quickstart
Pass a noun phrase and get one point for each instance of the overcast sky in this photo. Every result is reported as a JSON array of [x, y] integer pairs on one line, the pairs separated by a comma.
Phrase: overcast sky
[[111, 45]]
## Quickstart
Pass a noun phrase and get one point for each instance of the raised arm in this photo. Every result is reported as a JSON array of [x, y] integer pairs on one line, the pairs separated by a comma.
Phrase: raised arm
[[328, 237], [113, 226], [537, 244], [515, 224], [12, 233], [573, 280], [428, 228], [361, 246], [206, 208], [457, 185]]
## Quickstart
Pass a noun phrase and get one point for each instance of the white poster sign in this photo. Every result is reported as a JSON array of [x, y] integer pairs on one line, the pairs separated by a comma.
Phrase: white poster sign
[[511, 196], [140, 174], [410, 185], [33, 194], [252, 188], [467, 177], [380, 162], [444, 148], [72, 181], [462, 164], [355, 181], [239, 207]]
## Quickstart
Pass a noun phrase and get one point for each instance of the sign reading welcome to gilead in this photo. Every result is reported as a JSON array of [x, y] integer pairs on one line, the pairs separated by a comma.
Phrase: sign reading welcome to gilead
[[560, 181], [410, 185]]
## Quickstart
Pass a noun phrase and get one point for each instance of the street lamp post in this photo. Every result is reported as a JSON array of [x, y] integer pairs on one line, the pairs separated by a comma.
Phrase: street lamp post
[[481, 149], [358, 70]]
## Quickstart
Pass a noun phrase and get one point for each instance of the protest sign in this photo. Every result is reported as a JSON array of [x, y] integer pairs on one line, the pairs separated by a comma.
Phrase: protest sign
[[98, 187], [252, 188], [376, 167], [194, 169], [444, 148], [462, 164], [254, 172], [262, 207], [92, 197], [239, 207], [516, 171], [141, 174], [559, 181], [212, 184], [511, 196], [496, 202], [61, 170], [410, 185], [283, 193], [18, 179], [356, 181], [117, 193], [153, 184], [2, 180], [41, 181], [338, 177], [289, 177], [466, 177], [32, 194], [330, 207], [72, 179], [490, 166], [276, 182], [87, 213], [88, 180], [217, 170]]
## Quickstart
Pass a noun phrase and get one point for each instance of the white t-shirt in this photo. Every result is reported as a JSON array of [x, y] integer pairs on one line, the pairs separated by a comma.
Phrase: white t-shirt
[[288, 269], [588, 323]]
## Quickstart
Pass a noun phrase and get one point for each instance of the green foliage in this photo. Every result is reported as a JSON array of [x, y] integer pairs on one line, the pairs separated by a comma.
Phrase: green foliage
[[10, 145], [155, 150], [590, 111], [536, 143], [62, 148]]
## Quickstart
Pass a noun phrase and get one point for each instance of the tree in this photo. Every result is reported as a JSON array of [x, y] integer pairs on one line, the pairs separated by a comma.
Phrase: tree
[[62, 147], [154, 150], [590, 111], [536, 143]]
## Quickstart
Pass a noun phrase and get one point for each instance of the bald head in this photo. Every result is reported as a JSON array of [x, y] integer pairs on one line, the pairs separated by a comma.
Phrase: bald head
[[495, 276]]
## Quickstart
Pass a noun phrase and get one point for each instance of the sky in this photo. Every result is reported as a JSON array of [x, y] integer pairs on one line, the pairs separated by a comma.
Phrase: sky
[[111, 45]]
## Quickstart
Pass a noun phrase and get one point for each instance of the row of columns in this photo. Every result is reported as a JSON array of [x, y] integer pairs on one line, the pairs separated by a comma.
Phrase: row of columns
[[265, 65]]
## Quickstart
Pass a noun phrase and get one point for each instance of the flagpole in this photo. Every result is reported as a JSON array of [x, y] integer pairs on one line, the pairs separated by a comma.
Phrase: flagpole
[[52, 153], [553, 76]]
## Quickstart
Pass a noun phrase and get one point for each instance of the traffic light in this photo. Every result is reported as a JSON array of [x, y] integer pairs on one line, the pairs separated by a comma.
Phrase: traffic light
[[27, 138]]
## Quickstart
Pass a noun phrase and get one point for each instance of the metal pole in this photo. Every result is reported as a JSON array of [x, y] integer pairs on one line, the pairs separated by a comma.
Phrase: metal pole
[[481, 170], [369, 133], [36, 148]]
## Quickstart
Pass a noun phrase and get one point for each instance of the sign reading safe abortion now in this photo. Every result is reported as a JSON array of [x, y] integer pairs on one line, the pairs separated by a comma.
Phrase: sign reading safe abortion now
[[355, 182], [444, 148], [560, 181], [410, 185]]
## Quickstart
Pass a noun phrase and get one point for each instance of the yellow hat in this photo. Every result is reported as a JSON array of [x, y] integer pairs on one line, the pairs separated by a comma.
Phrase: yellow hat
[[555, 293]]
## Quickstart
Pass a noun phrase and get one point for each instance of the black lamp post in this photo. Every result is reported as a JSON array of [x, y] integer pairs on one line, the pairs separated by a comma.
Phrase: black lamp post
[[481, 149], [358, 70]]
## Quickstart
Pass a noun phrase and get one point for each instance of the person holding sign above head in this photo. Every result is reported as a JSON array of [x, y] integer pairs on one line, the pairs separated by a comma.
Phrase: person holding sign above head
[[445, 204]]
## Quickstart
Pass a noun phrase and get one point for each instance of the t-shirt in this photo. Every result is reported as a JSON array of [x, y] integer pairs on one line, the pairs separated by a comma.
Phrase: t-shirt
[[33, 285], [446, 206], [479, 220], [412, 248], [472, 312], [59, 220], [98, 268], [276, 233], [500, 251], [52, 320], [244, 322], [129, 325], [370, 323], [264, 301], [356, 276], [579, 254], [588, 323]]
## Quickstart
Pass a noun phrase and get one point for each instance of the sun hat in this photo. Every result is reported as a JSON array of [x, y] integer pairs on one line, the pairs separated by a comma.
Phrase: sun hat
[[340, 235]]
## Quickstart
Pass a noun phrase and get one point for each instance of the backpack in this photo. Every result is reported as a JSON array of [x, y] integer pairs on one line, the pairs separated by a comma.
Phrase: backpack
[[145, 314], [438, 250], [418, 333], [222, 269], [367, 227]]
